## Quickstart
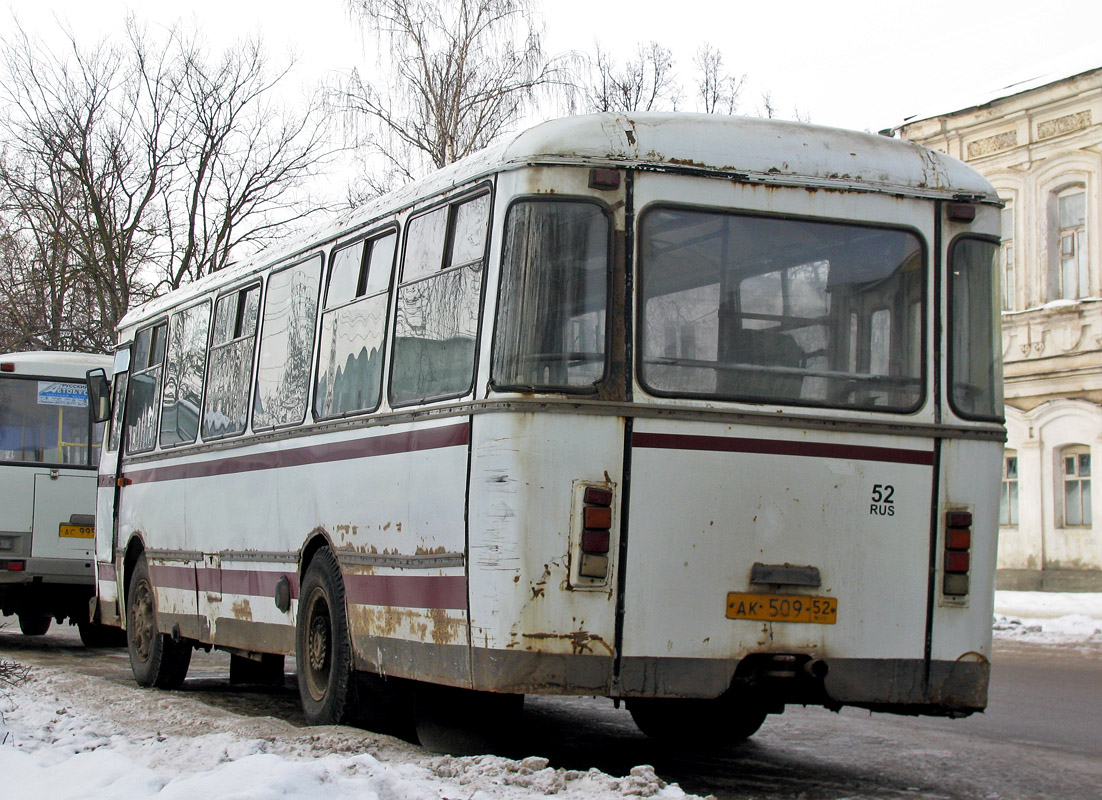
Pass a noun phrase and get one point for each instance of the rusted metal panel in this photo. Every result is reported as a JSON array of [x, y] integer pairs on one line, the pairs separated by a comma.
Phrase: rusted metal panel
[[525, 523]]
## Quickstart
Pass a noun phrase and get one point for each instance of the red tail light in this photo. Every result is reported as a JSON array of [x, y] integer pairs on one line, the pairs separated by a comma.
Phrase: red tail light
[[956, 562], [596, 533], [7, 366], [15, 566], [595, 495], [594, 541], [958, 552]]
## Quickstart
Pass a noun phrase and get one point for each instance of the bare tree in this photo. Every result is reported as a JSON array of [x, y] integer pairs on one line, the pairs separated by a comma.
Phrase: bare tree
[[716, 90], [768, 109], [452, 76], [245, 161], [644, 83], [47, 302], [135, 164]]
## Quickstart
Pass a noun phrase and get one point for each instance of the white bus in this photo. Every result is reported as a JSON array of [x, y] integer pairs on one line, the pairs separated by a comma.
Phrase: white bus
[[49, 449], [697, 412]]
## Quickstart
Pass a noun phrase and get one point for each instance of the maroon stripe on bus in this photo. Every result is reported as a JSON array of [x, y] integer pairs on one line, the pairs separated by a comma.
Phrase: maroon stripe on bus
[[366, 447], [410, 591], [172, 577], [106, 572], [255, 582], [780, 447], [208, 580]]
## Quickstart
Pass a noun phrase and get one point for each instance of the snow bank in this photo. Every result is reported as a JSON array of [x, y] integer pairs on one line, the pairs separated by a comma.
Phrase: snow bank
[[65, 736], [1049, 617]]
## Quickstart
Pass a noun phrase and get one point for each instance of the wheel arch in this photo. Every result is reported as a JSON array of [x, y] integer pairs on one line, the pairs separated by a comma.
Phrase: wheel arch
[[135, 549], [315, 541]]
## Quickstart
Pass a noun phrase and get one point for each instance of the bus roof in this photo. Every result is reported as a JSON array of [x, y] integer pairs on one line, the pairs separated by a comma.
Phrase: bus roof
[[759, 151], [51, 363]]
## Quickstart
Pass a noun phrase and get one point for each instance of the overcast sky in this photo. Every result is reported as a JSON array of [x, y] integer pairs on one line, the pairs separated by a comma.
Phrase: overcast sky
[[862, 64]]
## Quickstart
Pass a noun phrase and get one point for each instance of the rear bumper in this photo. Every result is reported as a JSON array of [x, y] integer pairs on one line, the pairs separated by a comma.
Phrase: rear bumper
[[896, 685], [52, 587], [901, 686], [77, 571]]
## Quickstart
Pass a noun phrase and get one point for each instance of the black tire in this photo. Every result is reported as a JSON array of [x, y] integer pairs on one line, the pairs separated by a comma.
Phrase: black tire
[[323, 649], [697, 723], [93, 634], [34, 625], [155, 658]]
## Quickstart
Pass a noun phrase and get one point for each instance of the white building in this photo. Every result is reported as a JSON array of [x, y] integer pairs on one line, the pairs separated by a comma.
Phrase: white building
[[1040, 145]]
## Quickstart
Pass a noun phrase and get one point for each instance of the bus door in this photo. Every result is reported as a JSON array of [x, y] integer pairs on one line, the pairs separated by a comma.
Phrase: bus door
[[109, 488]]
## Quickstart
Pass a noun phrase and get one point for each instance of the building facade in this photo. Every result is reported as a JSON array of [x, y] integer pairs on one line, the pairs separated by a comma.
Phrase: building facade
[[1040, 145]]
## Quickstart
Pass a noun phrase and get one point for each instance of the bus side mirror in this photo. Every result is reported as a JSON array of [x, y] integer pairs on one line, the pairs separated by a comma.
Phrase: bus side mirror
[[99, 394]]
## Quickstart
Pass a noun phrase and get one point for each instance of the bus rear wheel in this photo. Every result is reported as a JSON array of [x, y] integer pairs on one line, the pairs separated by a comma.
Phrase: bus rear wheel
[[155, 659], [33, 624], [323, 649], [697, 723]]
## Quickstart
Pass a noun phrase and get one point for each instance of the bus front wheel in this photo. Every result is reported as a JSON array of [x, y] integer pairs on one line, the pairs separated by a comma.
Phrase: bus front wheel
[[323, 649], [155, 658]]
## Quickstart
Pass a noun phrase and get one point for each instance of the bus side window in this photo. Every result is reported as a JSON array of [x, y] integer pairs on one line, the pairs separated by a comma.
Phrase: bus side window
[[438, 302], [230, 365], [183, 390], [115, 430], [353, 328], [144, 389], [287, 345]]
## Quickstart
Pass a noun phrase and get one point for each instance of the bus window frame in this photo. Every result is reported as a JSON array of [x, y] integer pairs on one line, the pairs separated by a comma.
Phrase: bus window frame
[[466, 194], [299, 260], [254, 282], [378, 232], [928, 289], [134, 371], [950, 325], [606, 210], [198, 438]]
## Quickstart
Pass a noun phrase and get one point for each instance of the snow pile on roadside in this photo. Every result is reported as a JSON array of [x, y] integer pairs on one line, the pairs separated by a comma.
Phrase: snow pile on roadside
[[72, 737], [1049, 617]]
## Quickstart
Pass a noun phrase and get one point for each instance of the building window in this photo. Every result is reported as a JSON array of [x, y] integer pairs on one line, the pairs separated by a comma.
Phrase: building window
[[1076, 469], [1009, 286], [1071, 242], [1008, 502]]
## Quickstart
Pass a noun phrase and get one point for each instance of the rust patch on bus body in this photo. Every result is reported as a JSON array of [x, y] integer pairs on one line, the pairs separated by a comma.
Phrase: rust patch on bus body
[[346, 533], [242, 610], [581, 642], [539, 586], [433, 624]]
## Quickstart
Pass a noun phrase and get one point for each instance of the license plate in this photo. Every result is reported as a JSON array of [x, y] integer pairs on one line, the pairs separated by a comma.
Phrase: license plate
[[782, 608], [77, 531]]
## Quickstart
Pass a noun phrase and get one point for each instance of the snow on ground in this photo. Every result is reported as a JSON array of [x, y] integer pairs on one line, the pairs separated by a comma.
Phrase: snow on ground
[[1066, 618], [65, 735]]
